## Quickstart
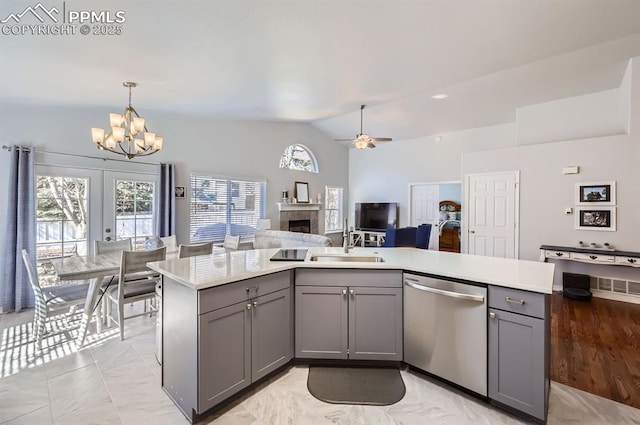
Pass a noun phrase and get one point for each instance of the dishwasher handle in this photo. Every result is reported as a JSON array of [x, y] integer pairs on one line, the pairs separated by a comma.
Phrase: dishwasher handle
[[412, 284]]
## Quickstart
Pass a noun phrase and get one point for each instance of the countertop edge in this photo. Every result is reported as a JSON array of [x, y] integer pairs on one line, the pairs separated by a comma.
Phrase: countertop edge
[[279, 266]]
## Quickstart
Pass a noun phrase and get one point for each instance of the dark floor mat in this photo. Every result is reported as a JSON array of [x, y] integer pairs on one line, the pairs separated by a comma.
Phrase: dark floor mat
[[356, 385]]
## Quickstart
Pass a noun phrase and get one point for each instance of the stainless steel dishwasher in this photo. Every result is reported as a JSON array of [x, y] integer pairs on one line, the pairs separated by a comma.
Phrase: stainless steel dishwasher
[[445, 330]]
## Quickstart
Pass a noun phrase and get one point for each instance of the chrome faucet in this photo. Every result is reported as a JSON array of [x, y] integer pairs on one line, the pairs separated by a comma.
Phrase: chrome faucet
[[346, 237]]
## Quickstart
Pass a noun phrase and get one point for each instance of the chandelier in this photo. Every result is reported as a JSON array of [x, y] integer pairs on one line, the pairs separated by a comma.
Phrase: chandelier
[[129, 135]]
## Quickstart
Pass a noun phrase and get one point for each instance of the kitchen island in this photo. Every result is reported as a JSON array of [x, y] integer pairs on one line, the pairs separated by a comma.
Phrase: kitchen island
[[231, 319]]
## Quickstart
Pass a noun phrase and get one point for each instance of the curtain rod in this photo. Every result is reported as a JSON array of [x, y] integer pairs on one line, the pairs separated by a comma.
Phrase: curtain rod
[[8, 148]]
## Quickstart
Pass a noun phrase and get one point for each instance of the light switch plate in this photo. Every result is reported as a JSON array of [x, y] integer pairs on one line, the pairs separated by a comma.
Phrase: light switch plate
[[568, 211]]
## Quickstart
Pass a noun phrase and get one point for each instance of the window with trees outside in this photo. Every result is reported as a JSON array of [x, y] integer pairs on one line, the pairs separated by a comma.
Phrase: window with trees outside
[[134, 211], [333, 216], [221, 206], [61, 216], [299, 157]]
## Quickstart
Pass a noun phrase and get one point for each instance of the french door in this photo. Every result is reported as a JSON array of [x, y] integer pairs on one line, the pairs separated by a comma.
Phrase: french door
[[76, 206]]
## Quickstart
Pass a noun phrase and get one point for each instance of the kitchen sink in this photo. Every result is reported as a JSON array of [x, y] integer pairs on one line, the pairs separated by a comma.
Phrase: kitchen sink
[[347, 258]]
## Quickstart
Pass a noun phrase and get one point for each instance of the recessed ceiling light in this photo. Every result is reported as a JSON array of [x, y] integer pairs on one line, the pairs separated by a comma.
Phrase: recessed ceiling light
[[440, 96]]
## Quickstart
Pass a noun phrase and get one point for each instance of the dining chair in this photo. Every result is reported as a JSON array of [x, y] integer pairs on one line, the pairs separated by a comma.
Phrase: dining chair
[[50, 301], [192, 250], [136, 282], [170, 242], [231, 243], [108, 247]]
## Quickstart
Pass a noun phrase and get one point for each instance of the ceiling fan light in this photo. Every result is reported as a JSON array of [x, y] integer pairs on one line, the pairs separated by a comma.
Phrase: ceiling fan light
[[361, 144]]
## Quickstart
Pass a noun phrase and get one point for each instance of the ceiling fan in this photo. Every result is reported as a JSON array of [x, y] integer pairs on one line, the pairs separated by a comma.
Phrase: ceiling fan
[[362, 140]]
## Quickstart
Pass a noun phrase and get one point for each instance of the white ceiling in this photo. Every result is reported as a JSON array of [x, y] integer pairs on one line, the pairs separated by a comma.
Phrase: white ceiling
[[317, 61]]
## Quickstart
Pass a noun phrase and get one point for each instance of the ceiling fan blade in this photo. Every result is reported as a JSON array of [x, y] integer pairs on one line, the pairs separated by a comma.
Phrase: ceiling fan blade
[[343, 140], [382, 139]]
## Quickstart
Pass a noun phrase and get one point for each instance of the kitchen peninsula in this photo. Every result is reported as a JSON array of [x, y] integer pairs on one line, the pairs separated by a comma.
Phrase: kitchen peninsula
[[231, 319]]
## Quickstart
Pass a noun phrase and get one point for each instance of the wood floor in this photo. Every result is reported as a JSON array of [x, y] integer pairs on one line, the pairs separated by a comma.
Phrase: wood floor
[[595, 347]]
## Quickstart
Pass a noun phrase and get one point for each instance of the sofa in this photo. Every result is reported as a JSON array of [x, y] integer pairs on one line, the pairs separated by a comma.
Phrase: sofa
[[286, 239]]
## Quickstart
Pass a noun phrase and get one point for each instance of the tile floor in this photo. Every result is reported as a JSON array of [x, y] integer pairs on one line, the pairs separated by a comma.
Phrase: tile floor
[[118, 382]]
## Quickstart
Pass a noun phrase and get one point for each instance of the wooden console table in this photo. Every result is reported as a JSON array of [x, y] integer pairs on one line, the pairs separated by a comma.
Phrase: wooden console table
[[591, 256]]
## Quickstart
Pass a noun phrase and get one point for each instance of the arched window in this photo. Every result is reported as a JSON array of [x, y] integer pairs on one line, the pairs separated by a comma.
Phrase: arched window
[[299, 157]]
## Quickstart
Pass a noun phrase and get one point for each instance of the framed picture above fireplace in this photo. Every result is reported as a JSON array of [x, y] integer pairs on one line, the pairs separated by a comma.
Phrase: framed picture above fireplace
[[302, 192]]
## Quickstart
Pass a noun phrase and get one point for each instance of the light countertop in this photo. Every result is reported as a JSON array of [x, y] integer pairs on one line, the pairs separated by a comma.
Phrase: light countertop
[[220, 268]]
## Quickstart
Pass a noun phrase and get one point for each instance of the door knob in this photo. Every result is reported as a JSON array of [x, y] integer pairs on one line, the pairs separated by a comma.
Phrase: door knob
[[472, 231], [352, 292], [108, 238], [248, 306], [344, 292], [107, 230]]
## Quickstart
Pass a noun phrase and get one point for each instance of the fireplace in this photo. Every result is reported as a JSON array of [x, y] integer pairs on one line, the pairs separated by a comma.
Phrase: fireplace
[[300, 226], [299, 217]]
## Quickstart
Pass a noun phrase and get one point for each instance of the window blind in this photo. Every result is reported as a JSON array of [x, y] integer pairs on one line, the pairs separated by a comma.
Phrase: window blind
[[221, 206]]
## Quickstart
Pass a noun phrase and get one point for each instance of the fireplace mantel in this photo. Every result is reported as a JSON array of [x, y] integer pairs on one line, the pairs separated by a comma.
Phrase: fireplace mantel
[[298, 207]]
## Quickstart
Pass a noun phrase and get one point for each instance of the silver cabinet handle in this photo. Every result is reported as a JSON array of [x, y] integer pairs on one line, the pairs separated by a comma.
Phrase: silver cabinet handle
[[478, 298], [344, 292], [255, 304], [492, 315], [512, 301], [248, 306], [352, 292]]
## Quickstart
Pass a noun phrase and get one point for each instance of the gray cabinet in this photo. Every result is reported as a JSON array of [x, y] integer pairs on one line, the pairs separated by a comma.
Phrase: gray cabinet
[[350, 321], [225, 361], [519, 350], [220, 340]]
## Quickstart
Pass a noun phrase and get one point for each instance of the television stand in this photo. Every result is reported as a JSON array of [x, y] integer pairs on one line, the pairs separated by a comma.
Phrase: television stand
[[366, 238]]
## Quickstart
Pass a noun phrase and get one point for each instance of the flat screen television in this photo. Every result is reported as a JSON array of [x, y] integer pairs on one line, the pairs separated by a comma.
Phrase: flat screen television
[[376, 216]]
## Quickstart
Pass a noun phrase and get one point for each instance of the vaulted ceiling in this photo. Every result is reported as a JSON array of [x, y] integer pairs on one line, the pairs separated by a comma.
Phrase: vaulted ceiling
[[317, 61]]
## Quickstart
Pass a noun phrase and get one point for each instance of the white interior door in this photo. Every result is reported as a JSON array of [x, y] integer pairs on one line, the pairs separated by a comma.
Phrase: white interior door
[[492, 214], [424, 203], [129, 206]]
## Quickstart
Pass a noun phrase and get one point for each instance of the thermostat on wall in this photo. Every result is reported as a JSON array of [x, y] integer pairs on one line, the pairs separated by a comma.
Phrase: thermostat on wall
[[574, 169]]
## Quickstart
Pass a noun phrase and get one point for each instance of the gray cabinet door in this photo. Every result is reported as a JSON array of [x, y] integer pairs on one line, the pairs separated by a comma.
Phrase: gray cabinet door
[[375, 323], [517, 362], [321, 322], [271, 343], [224, 356]]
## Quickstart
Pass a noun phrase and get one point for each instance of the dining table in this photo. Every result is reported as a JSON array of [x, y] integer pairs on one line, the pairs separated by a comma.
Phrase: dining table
[[93, 268]]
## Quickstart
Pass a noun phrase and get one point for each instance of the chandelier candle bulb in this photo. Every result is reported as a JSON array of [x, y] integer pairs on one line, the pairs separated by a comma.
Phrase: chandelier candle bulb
[[98, 135], [115, 120]]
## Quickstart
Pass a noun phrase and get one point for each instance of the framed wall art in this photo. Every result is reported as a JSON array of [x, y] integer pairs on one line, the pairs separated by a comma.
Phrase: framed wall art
[[603, 193], [302, 192], [596, 218]]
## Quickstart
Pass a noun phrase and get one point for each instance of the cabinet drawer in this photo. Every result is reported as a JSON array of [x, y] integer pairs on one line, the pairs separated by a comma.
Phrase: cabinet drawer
[[334, 277], [557, 254], [596, 258], [225, 295], [516, 301], [629, 261]]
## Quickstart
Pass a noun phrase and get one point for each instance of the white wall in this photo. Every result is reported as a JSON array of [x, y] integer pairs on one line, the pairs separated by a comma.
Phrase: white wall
[[221, 148], [383, 174], [604, 113]]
